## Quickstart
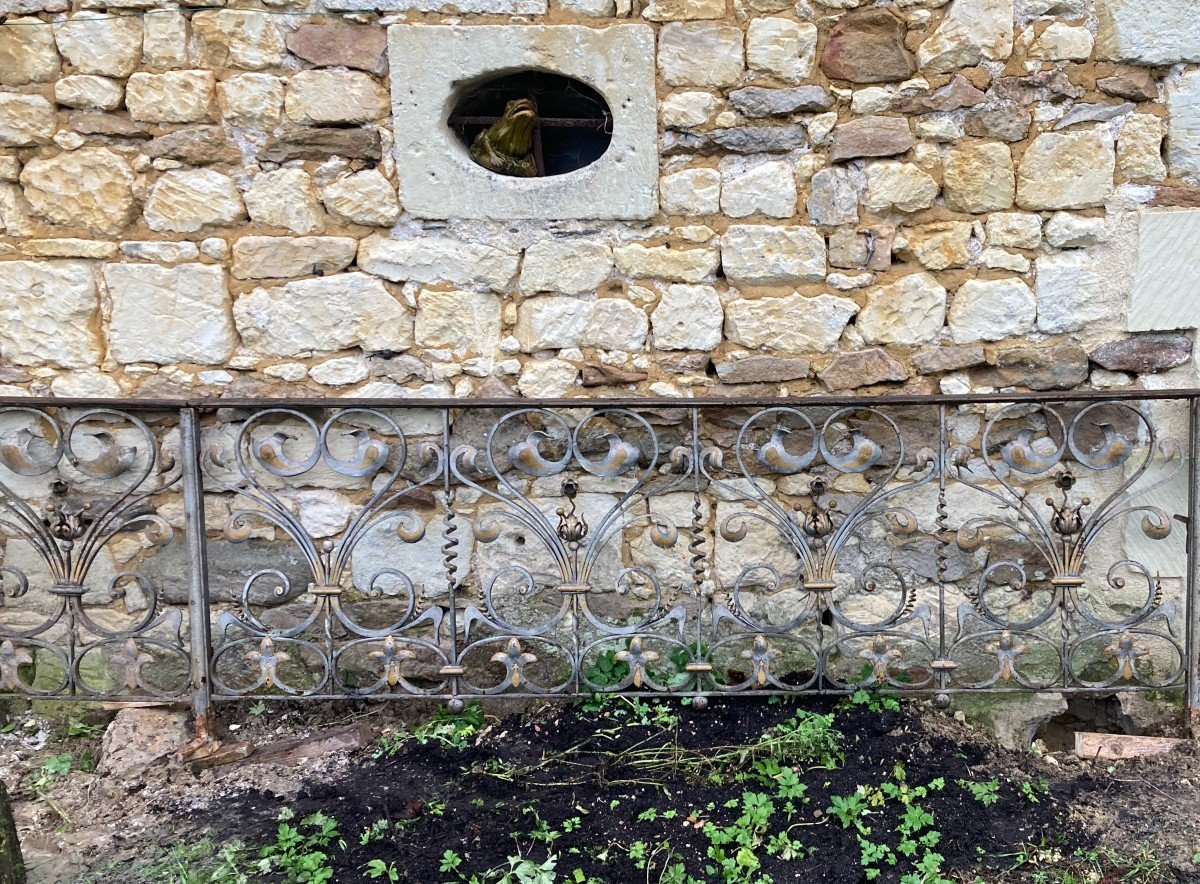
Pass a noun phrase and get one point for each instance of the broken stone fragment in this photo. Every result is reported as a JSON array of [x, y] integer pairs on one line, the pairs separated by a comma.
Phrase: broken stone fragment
[[1144, 354], [849, 371]]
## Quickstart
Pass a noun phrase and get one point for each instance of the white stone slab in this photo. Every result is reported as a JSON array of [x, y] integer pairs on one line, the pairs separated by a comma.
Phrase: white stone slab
[[432, 64], [1183, 133], [1166, 289], [1150, 32]]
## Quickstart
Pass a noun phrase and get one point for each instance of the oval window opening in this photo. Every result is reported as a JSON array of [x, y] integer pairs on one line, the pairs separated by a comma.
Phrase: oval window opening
[[532, 124]]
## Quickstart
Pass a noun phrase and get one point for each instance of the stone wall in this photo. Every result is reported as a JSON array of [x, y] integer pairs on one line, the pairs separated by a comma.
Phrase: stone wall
[[920, 194]]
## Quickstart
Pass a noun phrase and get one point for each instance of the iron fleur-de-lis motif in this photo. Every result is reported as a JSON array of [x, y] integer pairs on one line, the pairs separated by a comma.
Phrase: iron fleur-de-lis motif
[[637, 658], [1125, 654], [11, 660], [760, 655], [880, 655], [268, 660], [392, 658], [515, 659], [132, 661], [1006, 651], [572, 528]]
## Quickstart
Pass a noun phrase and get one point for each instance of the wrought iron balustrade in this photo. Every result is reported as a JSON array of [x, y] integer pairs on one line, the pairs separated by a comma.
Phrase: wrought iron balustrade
[[458, 549]]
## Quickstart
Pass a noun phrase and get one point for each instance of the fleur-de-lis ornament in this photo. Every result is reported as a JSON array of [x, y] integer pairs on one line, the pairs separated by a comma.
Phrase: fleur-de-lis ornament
[[1007, 651], [637, 658], [11, 660], [881, 656], [515, 660], [392, 657], [132, 661], [268, 660], [761, 656], [1125, 653]]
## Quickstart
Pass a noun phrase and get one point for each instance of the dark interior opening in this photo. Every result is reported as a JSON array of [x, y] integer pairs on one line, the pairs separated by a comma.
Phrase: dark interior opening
[[574, 124]]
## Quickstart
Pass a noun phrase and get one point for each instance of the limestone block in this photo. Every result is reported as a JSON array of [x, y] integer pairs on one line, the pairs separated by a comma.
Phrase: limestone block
[[865, 368], [171, 97], [761, 189], [169, 315], [164, 39], [481, 7], [439, 180], [50, 314], [691, 192], [27, 52], [275, 257], [323, 315], [339, 373], [990, 310], [188, 200], [700, 54], [1168, 275], [91, 187], [616, 324], [365, 197], [1014, 230], [793, 324], [941, 245], [89, 91], [160, 252], [551, 323], [238, 38], [781, 48], [910, 310], [458, 320], [570, 266], [1067, 170], [688, 317], [1067, 231], [1139, 148], [683, 10], [25, 120], [250, 99], [430, 259], [834, 198], [1063, 42], [321, 97], [1183, 138], [979, 177], [138, 738], [755, 254], [549, 379], [972, 31], [685, 110], [893, 185], [1069, 293], [285, 198], [14, 211], [96, 43], [1147, 32], [663, 262]]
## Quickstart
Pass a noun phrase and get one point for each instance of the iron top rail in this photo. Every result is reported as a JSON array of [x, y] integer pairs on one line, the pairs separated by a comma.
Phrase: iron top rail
[[702, 402]]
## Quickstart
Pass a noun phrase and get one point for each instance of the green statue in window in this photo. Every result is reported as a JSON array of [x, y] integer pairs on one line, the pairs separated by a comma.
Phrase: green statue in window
[[506, 147]]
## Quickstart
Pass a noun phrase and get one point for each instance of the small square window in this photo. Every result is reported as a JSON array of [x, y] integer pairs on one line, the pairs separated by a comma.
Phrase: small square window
[[449, 83]]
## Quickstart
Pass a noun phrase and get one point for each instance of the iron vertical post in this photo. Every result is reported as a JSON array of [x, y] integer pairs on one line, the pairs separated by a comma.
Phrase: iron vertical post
[[198, 622]]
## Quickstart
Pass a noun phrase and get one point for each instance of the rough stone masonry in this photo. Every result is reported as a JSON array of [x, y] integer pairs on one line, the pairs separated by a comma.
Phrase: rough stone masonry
[[820, 195]]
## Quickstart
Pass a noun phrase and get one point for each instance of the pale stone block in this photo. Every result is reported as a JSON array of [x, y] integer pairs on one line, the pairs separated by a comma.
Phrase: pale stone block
[[25, 120], [893, 185], [1183, 138], [551, 323], [96, 43], [52, 321], [834, 198], [160, 252], [700, 54], [1063, 42], [168, 315], [781, 48], [1068, 170], [1139, 148], [548, 379], [1067, 231], [616, 324], [285, 198], [763, 189], [323, 315], [688, 317], [340, 372], [251, 99], [468, 321], [89, 91], [972, 31], [941, 245], [324, 97], [663, 262], [439, 180], [278, 257], [1168, 274], [164, 39], [794, 324], [27, 52], [365, 197], [69, 247], [1014, 230], [990, 310], [691, 192], [1069, 293], [238, 38], [754, 254], [430, 259], [171, 97], [685, 110], [91, 187], [466, 7], [188, 200], [1147, 32], [683, 10], [979, 177], [565, 265]]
